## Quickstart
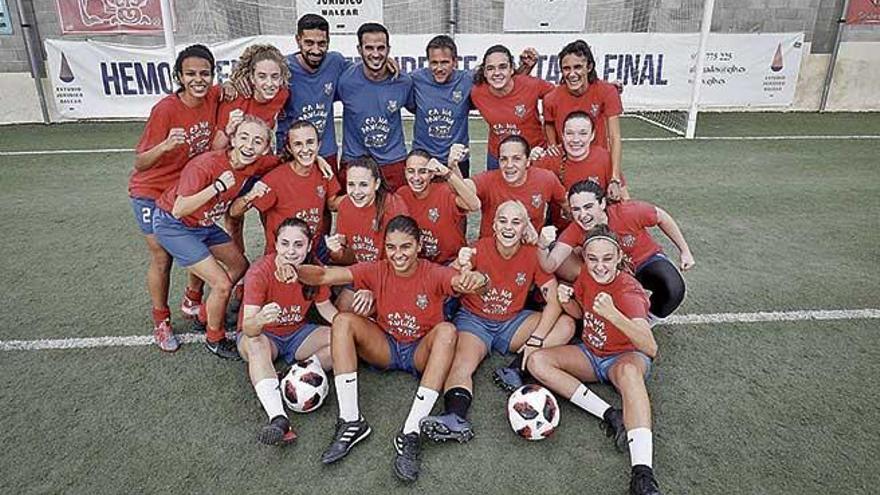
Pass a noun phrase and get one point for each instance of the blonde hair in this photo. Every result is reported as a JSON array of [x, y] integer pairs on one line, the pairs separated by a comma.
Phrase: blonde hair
[[252, 119], [530, 235]]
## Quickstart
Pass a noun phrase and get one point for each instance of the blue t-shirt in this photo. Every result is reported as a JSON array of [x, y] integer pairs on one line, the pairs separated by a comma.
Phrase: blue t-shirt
[[371, 123], [441, 111], [311, 98]]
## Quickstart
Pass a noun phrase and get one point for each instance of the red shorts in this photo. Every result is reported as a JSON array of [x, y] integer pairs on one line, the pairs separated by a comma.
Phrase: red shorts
[[392, 174]]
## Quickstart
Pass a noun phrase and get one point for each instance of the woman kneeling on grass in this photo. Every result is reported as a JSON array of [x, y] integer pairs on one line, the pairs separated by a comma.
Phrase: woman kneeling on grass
[[273, 322], [616, 347], [408, 334], [186, 216], [497, 318]]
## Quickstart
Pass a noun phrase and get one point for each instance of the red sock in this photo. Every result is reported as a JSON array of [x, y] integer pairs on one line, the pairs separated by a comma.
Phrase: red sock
[[161, 314], [194, 295], [215, 335]]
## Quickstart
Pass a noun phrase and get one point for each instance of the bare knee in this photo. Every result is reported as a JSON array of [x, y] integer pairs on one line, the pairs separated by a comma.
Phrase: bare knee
[[539, 363], [256, 349], [628, 373], [342, 325], [445, 335], [221, 286]]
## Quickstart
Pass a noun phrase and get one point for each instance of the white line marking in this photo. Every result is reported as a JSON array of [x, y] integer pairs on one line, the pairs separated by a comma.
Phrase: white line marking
[[483, 141], [695, 319]]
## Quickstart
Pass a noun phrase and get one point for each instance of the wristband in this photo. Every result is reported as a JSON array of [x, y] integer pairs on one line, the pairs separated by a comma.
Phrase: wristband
[[219, 187], [539, 340], [614, 181]]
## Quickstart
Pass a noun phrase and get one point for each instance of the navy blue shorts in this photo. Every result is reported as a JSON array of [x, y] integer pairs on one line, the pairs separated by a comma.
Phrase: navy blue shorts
[[188, 245], [143, 213], [402, 355], [287, 345], [494, 334], [601, 365], [491, 162]]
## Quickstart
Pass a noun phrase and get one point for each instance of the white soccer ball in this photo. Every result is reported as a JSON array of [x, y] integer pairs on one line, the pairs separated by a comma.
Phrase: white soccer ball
[[533, 412], [305, 386]]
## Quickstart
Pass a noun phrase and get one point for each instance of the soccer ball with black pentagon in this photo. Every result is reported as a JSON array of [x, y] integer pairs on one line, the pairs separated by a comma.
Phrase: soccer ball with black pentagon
[[305, 386], [533, 412]]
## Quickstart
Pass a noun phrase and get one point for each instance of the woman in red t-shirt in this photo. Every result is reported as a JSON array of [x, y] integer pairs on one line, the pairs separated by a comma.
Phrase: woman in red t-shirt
[[273, 322], [179, 128], [302, 187], [581, 159], [497, 319], [630, 220], [408, 334], [186, 218], [507, 101], [616, 347]]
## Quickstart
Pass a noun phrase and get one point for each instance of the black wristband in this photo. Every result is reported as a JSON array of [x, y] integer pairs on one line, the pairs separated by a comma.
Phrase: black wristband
[[219, 187]]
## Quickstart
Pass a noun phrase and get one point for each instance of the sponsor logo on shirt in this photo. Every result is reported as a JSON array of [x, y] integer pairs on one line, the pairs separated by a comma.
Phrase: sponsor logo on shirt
[[375, 131], [430, 249], [290, 315], [503, 130], [440, 122], [316, 114], [311, 216], [365, 250], [217, 212], [594, 331], [520, 111], [198, 137]]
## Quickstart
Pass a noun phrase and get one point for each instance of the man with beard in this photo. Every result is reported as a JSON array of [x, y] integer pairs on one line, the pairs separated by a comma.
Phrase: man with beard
[[372, 99]]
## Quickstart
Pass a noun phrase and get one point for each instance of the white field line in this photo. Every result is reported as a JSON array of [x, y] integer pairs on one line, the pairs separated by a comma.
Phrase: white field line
[[483, 141], [695, 319]]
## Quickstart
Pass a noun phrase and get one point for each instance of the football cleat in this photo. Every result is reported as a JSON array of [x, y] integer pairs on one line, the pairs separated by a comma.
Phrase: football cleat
[[612, 424], [449, 426], [347, 435], [643, 482], [277, 432], [164, 337], [406, 462], [509, 379], [189, 308], [224, 348]]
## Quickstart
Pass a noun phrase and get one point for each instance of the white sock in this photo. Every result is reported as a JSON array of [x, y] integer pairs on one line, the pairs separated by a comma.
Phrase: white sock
[[422, 405], [269, 392], [585, 399], [641, 447], [347, 396]]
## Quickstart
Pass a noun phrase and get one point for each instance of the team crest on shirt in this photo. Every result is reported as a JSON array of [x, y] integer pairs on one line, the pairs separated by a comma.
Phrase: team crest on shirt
[[628, 240], [433, 215], [422, 301], [520, 278], [520, 111], [457, 96], [537, 200], [320, 190], [594, 109], [392, 106], [328, 89]]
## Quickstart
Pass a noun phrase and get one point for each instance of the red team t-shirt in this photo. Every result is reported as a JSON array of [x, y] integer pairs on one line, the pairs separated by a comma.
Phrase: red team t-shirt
[[407, 308], [266, 111], [292, 195], [440, 218], [201, 172], [541, 187], [595, 167], [198, 124], [602, 100], [600, 335], [630, 221], [510, 280], [261, 288], [515, 113], [356, 225]]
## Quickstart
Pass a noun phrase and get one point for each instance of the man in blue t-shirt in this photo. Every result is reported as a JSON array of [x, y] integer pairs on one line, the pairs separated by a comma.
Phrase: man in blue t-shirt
[[372, 100], [441, 102], [314, 75]]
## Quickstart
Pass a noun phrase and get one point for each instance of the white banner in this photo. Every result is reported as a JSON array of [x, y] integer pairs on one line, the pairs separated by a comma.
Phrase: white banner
[[344, 16], [100, 80], [544, 15]]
